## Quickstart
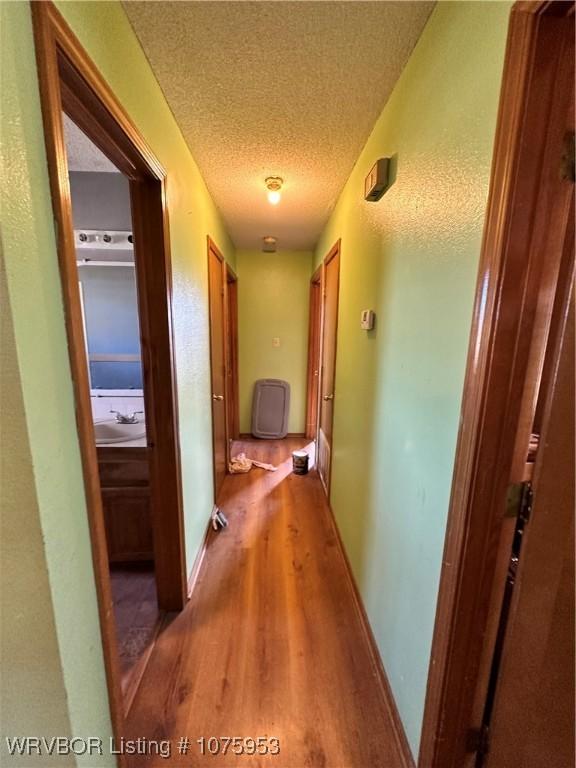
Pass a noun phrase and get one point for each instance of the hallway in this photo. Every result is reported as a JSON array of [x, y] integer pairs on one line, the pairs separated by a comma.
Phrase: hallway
[[265, 227], [272, 643]]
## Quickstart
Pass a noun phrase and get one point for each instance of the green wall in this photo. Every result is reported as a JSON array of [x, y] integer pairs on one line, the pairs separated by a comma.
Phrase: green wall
[[31, 669], [273, 296], [412, 257], [52, 511]]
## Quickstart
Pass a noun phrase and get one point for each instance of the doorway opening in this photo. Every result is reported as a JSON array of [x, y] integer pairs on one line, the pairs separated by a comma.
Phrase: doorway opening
[[73, 93], [107, 283]]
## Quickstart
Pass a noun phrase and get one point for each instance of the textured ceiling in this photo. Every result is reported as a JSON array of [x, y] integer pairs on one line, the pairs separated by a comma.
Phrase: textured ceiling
[[82, 154], [288, 89]]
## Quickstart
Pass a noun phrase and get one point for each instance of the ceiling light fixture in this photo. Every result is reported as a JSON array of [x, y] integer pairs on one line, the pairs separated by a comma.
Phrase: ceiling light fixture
[[274, 185]]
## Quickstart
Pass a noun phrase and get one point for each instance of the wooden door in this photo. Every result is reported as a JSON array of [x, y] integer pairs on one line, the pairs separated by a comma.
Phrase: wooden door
[[232, 395], [521, 277], [314, 350], [553, 236], [216, 281], [330, 285], [532, 723]]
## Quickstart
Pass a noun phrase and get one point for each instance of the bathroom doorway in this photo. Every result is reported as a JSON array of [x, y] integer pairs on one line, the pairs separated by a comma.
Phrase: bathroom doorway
[[141, 468], [107, 282]]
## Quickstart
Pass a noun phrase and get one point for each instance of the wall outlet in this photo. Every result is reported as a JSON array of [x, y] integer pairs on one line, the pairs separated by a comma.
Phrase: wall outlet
[[276, 341]]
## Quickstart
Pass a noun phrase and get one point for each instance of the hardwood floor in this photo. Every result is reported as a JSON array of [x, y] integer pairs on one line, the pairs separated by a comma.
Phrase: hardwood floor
[[272, 642]]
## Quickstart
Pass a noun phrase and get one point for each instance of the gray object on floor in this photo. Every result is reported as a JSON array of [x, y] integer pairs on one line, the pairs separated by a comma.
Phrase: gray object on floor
[[270, 409], [219, 519]]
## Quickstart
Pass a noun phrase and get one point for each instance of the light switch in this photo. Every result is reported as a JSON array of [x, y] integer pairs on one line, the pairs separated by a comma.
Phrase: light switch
[[276, 341], [367, 319]]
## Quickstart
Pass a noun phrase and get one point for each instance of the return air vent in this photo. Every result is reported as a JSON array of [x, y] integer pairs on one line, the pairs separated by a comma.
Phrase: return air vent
[[269, 244]]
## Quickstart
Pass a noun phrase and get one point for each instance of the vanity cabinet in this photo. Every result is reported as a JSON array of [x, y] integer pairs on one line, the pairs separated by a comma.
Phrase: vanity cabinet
[[124, 480]]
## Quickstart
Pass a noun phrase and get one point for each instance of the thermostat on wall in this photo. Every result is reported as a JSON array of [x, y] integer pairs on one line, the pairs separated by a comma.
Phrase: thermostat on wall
[[367, 319]]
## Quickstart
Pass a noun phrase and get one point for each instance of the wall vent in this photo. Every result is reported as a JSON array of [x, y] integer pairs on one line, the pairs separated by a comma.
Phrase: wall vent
[[269, 244]]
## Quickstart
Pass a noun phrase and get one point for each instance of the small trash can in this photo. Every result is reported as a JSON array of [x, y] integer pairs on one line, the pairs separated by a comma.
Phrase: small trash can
[[300, 462]]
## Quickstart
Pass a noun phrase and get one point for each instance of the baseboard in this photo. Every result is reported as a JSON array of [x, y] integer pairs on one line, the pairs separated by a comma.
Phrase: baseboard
[[199, 559], [381, 675]]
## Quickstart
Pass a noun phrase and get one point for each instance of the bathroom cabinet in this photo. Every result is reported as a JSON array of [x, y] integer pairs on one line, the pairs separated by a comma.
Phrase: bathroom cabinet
[[124, 480]]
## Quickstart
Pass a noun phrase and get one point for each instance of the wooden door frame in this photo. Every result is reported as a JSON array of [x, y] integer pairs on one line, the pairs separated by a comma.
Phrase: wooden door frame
[[503, 323], [212, 248], [231, 343], [314, 356], [69, 81], [334, 252]]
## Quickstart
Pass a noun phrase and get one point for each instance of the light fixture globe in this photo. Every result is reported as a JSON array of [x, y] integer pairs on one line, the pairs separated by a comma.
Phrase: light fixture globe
[[274, 185]]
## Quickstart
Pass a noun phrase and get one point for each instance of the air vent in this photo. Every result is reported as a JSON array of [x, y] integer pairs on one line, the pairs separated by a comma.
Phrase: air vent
[[269, 244]]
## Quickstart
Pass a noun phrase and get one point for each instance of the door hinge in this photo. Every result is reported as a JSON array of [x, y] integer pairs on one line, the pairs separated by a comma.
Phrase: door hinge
[[519, 501], [568, 163], [478, 740]]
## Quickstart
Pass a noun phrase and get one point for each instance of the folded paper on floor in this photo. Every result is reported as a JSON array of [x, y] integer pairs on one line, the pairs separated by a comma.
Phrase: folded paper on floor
[[241, 463]]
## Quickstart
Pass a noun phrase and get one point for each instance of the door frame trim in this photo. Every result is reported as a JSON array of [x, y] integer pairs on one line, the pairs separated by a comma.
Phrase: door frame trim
[[334, 252], [314, 328], [231, 344], [69, 81], [498, 353], [211, 247]]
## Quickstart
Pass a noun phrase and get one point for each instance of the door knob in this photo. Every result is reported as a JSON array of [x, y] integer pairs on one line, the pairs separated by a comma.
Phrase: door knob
[[329, 397], [217, 397]]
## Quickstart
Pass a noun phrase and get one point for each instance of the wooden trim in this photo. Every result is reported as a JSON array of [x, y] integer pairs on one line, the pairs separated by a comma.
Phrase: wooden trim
[[69, 81], [154, 282], [314, 350], [213, 248], [379, 671], [507, 299], [333, 253], [233, 386]]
